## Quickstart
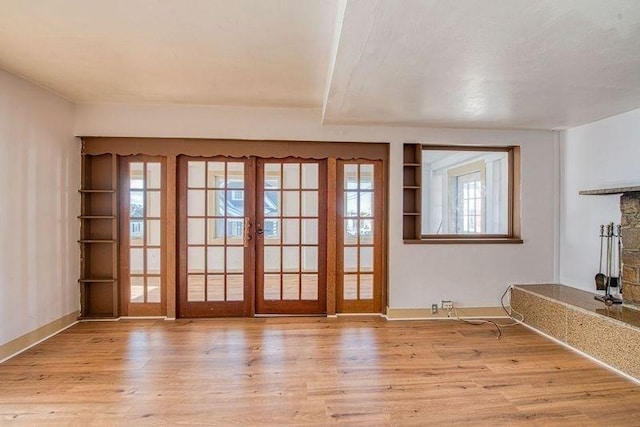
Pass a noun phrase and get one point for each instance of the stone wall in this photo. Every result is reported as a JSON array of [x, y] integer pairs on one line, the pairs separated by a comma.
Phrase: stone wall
[[630, 210]]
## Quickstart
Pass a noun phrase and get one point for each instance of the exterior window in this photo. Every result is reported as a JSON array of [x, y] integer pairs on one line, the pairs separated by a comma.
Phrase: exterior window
[[467, 193]]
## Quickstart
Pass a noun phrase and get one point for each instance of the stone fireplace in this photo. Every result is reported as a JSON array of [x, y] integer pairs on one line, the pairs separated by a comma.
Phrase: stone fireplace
[[630, 222]]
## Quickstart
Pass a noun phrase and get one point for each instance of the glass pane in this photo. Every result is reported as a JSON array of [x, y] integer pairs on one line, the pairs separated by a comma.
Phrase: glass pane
[[153, 261], [215, 231], [271, 231], [366, 286], [290, 286], [309, 203], [310, 176], [350, 231], [154, 178], [366, 232], [350, 177], [235, 287], [271, 287], [291, 175], [271, 203], [350, 286], [366, 204], [309, 259], [290, 259], [136, 175], [196, 174], [366, 177], [309, 287], [235, 259], [290, 231], [215, 203], [291, 203], [272, 258], [136, 261], [366, 258], [272, 175], [235, 203], [195, 203], [195, 260], [309, 231], [235, 231], [153, 289], [215, 259], [153, 232], [153, 204], [136, 289], [351, 259], [465, 192], [215, 174], [136, 204], [136, 232], [215, 288], [350, 203], [195, 231], [235, 175], [195, 288]]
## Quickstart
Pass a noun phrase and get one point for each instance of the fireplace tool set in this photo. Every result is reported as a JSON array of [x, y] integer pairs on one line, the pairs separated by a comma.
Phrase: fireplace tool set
[[611, 243]]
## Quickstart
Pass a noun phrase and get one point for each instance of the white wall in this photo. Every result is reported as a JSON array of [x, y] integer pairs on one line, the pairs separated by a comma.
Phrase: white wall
[[601, 154], [39, 178], [419, 275]]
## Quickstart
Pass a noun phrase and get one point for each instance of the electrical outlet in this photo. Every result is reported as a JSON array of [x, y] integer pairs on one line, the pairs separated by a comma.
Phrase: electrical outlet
[[434, 308], [447, 305]]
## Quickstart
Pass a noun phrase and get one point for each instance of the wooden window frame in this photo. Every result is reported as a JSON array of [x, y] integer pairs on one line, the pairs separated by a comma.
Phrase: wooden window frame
[[413, 190]]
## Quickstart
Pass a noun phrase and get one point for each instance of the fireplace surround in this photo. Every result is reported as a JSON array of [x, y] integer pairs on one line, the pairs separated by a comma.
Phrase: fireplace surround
[[630, 222]]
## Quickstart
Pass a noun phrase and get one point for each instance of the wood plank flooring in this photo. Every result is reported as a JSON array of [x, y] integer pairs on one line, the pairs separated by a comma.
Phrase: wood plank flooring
[[308, 371]]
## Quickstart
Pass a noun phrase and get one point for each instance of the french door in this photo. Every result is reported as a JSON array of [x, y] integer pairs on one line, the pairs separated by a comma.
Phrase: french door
[[251, 235], [290, 236]]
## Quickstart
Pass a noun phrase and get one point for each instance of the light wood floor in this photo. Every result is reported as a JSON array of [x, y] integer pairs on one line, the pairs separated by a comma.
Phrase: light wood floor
[[308, 371]]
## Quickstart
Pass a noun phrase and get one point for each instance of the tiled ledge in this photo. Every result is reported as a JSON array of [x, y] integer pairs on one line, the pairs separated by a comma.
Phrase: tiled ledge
[[609, 334]]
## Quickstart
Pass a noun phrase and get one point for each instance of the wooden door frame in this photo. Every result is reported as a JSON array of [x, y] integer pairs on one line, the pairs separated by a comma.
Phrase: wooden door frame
[[126, 307], [379, 243]]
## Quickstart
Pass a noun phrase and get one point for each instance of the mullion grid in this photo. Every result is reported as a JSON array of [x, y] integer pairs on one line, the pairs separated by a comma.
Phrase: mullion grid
[[358, 221]]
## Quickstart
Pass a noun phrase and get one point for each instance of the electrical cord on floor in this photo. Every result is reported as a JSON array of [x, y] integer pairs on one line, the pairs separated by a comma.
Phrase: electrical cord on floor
[[497, 325]]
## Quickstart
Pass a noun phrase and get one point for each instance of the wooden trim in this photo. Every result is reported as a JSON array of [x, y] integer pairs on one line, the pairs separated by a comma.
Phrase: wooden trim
[[28, 340], [170, 237], [316, 150], [466, 240], [425, 313], [331, 234]]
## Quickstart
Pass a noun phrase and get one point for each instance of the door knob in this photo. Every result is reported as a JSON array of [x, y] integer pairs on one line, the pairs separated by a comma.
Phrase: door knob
[[259, 230]]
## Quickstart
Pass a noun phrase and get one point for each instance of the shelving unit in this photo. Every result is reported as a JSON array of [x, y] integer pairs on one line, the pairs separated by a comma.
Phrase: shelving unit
[[99, 237], [411, 191]]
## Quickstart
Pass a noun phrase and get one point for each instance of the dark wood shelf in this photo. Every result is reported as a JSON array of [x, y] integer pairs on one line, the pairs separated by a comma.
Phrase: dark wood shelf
[[97, 280], [411, 187], [413, 165], [96, 217], [97, 241], [411, 213]]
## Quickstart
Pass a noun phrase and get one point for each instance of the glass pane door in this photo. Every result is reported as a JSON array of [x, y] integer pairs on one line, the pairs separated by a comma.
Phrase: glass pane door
[[291, 235], [216, 252], [142, 237], [359, 237]]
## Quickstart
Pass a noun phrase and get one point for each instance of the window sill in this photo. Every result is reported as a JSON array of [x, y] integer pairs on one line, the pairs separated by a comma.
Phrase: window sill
[[465, 240]]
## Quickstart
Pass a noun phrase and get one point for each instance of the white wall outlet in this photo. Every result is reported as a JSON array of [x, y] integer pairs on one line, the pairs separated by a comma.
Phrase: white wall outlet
[[434, 308], [447, 305]]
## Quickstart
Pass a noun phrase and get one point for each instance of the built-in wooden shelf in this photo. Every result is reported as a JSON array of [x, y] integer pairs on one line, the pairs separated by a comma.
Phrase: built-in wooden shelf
[[412, 189], [610, 191], [98, 249]]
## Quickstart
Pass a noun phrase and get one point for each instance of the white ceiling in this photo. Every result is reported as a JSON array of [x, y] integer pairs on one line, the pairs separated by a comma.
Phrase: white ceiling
[[530, 64]]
